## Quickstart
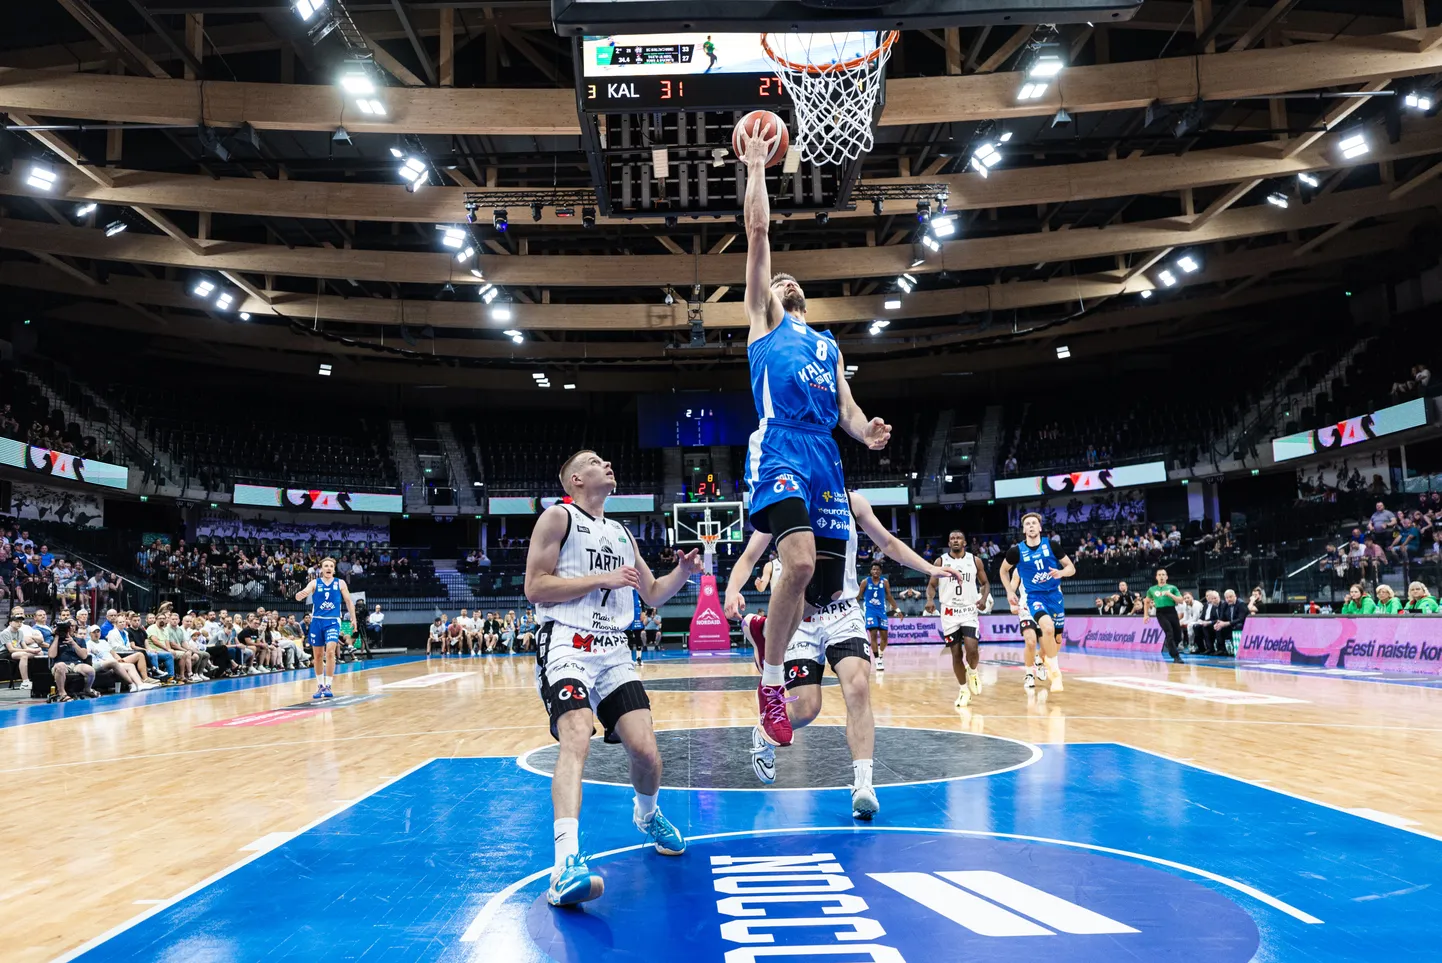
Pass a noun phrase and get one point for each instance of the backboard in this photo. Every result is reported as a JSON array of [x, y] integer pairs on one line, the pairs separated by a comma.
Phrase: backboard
[[575, 18]]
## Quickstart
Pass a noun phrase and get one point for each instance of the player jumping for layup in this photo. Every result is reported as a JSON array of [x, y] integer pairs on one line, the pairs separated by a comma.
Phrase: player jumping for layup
[[798, 495], [1035, 565], [327, 594], [962, 602], [581, 572]]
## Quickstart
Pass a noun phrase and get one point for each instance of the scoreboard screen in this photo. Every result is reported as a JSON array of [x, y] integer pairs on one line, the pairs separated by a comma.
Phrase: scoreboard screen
[[681, 71]]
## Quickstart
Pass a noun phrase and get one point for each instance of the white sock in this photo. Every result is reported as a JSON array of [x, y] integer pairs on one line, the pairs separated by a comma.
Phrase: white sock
[[861, 771], [645, 805], [568, 839], [773, 675]]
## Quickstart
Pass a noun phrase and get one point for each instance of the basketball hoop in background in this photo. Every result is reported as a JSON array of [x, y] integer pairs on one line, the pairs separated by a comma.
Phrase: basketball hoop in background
[[708, 551], [834, 80]]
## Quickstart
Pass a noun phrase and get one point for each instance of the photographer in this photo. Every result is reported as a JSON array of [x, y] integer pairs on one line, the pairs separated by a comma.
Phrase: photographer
[[67, 655]]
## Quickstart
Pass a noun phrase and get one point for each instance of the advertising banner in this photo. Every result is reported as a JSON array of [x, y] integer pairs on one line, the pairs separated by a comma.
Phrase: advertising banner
[[46, 461], [615, 504], [1090, 480], [709, 632], [1351, 431], [1397, 643], [1123, 633], [511, 505], [316, 500]]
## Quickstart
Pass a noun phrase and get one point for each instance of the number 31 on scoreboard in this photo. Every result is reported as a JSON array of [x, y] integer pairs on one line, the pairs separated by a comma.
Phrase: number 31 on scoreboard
[[666, 89]]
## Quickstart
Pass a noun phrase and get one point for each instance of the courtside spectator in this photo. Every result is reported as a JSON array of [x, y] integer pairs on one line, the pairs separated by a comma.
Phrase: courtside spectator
[[375, 625], [19, 646], [102, 656], [68, 655], [1358, 602], [1419, 600], [1387, 601]]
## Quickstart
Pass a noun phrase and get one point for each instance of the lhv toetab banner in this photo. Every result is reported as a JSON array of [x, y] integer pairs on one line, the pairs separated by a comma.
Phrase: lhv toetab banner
[[1106, 632], [1398, 643]]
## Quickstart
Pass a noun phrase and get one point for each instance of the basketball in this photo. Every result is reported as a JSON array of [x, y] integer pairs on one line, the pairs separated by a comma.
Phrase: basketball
[[769, 124]]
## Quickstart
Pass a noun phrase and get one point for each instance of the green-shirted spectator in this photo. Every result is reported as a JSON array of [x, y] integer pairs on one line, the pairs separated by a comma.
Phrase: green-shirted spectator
[[1358, 602], [1419, 600], [1387, 601]]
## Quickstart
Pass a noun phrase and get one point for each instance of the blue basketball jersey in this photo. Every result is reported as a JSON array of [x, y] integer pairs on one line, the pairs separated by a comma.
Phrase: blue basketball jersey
[[1034, 561], [636, 620], [326, 602], [793, 374], [875, 598]]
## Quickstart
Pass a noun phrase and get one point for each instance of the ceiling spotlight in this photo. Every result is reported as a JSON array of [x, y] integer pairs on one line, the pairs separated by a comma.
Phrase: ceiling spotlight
[[397, 153], [356, 81], [1308, 180], [245, 315], [116, 227], [1046, 62], [1168, 279], [491, 293], [538, 375], [463, 256], [86, 211], [1005, 137], [917, 262], [1031, 91], [454, 237], [923, 211], [568, 387], [718, 157], [203, 288], [1354, 146], [536, 211], [369, 106], [501, 312], [510, 332], [984, 158], [823, 218], [941, 203], [1419, 101], [892, 304], [416, 172], [944, 226], [1278, 199], [477, 274], [500, 220], [518, 339], [487, 289], [324, 371], [930, 243], [670, 299], [1147, 295], [41, 177], [306, 9], [1188, 264], [877, 206], [588, 217], [225, 300], [904, 284], [1063, 351], [565, 212], [880, 323]]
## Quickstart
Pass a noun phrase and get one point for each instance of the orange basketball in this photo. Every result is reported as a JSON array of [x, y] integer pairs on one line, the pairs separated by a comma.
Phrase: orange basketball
[[769, 124]]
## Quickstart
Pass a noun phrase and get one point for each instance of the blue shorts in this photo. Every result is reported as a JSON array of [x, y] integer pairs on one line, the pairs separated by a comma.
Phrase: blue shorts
[[791, 459], [876, 620], [1051, 605], [323, 632]]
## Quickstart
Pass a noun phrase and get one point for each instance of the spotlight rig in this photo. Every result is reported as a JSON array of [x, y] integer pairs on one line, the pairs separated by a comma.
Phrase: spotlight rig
[[500, 202]]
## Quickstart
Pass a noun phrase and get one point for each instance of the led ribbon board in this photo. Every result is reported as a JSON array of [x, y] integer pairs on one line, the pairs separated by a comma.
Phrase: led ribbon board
[[47, 461], [316, 500], [1091, 480], [1352, 431]]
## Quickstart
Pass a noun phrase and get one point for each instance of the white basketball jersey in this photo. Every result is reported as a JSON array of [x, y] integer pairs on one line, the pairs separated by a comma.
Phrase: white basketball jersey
[[958, 598], [592, 545]]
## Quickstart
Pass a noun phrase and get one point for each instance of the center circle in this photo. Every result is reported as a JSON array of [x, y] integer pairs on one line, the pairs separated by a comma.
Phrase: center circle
[[818, 758], [893, 896]]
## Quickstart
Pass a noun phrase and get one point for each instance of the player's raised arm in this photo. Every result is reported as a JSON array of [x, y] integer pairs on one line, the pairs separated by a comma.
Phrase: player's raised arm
[[543, 585], [658, 591], [763, 309], [873, 433], [893, 547], [735, 602]]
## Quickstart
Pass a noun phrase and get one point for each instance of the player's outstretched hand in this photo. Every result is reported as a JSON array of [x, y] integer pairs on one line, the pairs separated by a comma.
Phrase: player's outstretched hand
[[1014, 603], [691, 561], [941, 571], [878, 433], [756, 149], [734, 605], [624, 577]]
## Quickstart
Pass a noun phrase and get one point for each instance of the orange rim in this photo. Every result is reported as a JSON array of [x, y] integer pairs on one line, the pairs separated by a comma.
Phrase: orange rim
[[852, 64]]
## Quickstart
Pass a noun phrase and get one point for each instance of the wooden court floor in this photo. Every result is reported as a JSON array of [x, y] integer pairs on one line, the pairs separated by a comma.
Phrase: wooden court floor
[[111, 812]]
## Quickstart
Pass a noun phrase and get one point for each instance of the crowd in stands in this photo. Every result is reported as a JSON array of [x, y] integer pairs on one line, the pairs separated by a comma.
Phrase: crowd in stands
[[1409, 539], [229, 527], [32, 574], [484, 633]]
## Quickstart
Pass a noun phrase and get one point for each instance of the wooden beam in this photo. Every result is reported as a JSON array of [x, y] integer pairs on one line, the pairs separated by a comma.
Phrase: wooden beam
[[61, 147], [194, 40], [111, 39], [414, 38], [1311, 26], [1147, 263], [165, 224], [1414, 13], [953, 50], [543, 112], [718, 294], [641, 271], [669, 244], [1202, 19], [720, 246], [391, 65], [514, 38], [66, 269], [446, 62], [1321, 239], [1010, 46], [1260, 26], [1415, 181], [1222, 203], [1331, 119]]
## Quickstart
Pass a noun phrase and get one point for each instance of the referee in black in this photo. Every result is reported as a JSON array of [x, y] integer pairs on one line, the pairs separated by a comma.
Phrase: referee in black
[[1163, 598]]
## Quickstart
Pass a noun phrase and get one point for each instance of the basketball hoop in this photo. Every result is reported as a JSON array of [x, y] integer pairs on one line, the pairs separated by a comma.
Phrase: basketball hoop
[[834, 80]]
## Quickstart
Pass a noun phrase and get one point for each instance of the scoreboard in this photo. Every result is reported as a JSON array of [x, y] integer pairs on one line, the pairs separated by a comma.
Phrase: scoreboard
[[679, 71]]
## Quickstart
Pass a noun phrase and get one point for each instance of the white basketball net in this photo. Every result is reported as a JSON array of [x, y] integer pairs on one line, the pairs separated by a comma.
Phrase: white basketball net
[[834, 80]]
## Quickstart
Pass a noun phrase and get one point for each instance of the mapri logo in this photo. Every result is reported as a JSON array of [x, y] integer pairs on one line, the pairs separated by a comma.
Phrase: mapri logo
[[892, 897]]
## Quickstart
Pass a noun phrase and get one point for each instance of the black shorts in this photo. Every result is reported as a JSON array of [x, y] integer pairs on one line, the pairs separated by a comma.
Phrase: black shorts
[[961, 633], [789, 516], [801, 672]]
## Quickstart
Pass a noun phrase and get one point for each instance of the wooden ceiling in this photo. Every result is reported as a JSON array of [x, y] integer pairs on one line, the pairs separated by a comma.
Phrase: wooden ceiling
[[1064, 237]]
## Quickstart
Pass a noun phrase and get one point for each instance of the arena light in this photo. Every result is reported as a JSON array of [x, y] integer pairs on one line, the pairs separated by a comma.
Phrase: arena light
[[1189, 264], [1005, 137], [490, 295], [930, 243], [1063, 352], [500, 220], [1419, 100], [904, 284], [879, 325], [305, 9], [893, 304], [1032, 91], [944, 226], [453, 238], [1146, 295], [370, 106], [477, 274], [1309, 180], [1354, 146], [1278, 199], [357, 82], [1168, 279], [116, 227], [245, 315], [397, 153], [203, 288], [568, 387], [416, 172], [1046, 62], [501, 312], [984, 158], [588, 217], [923, 211], [465, 255], [87, 210], [486, 289], [225, 301], [42, 177], [324, 370]]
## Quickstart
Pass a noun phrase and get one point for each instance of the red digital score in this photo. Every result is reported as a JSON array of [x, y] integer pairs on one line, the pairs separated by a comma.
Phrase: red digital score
[[666, 89], [770, 87]]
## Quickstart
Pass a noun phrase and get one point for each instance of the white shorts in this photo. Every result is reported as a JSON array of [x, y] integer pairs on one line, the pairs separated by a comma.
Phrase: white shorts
[[954, 617], [586, 669], [837, 631]]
